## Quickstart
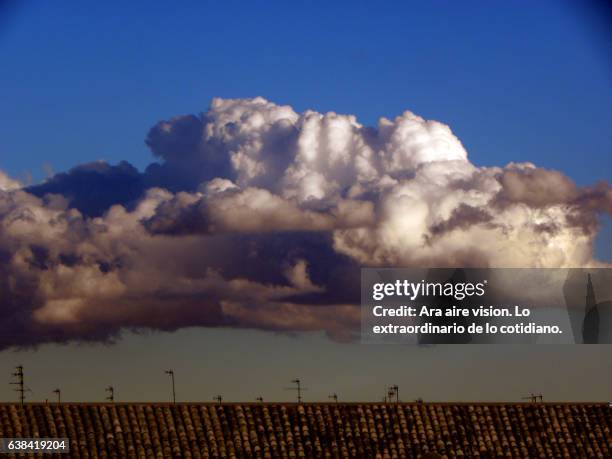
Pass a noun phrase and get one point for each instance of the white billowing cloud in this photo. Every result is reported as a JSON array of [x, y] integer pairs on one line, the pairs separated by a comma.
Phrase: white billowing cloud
[[314, 156], [421, 223], [410, 140], [7, 183], [249, 133], [287, 207], [419, 198]]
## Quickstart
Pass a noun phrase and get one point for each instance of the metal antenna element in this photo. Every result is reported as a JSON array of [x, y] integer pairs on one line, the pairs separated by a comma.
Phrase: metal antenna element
[[18, 374], [58, 392], [218, 399], [298, 388], [111, 394], [259, 399], [393, 392], [533, 398], [171, 373], [333, 397]]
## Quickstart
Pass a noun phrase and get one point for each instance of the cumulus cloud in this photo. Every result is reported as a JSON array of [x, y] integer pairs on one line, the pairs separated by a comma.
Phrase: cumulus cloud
[[257, 216], [7, 183]]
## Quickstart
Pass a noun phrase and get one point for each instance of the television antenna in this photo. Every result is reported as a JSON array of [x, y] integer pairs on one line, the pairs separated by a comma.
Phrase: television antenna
[[21, 387], [392, 392], [171, 374], [533, 398], [333, 397], [58, 392], [111, 394], [298, 388], [218, 399]]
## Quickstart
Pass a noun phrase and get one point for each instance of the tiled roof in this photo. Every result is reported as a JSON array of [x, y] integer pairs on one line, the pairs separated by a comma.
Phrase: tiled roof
[[139, 430]]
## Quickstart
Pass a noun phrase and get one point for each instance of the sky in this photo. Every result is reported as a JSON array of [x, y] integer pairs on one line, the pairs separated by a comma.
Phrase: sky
[[515, 83]]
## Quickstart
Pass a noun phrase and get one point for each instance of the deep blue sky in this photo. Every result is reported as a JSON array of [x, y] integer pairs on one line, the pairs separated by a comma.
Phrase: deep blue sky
[[516, 81]]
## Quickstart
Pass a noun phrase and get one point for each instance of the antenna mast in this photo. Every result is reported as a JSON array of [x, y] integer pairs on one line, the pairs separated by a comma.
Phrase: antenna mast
[[171, 373], [298, 388], [111, 394], [393, 392], [18, 374], [533, 398]]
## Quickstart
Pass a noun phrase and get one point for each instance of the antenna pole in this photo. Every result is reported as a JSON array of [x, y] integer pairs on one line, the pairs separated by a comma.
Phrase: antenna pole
[[392, 392], [111, 394], [298, 388], [59, 395], [18, 374], [298, 383], [171, 373], [534, 398]]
